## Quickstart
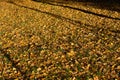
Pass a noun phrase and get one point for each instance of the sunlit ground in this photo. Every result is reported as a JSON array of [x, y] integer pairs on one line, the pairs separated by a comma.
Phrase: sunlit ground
[[58, 41]]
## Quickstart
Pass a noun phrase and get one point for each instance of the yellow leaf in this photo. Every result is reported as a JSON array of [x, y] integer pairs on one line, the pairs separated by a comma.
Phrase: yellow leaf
[[96, 78]]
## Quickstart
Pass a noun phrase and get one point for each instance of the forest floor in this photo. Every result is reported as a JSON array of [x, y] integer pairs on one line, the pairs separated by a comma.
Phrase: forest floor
[[59, 40]]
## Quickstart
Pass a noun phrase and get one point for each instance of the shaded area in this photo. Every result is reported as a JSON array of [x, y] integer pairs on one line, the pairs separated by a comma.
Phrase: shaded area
[[14, 64], [74, 22], [96, 60], [113, 5], [55, 3], [5, 54]]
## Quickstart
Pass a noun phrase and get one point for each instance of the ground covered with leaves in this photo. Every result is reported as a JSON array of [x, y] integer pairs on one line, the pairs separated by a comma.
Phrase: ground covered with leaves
[[69, 41]]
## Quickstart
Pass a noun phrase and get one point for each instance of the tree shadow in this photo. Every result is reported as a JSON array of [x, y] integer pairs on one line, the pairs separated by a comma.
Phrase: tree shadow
[[60, 3], [74, 22], [113, 5], [78, 23], [13, 63], [71, 21]]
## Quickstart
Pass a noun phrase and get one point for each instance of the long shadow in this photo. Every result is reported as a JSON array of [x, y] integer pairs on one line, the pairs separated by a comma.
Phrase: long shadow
[[74, 22], [113, 5], [14, 64], [78, 23], [82, 10]]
